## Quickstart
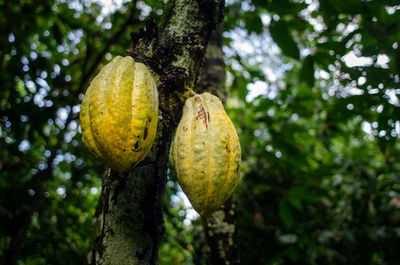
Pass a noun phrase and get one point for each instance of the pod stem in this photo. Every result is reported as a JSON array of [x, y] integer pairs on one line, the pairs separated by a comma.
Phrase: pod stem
[[187, 94]]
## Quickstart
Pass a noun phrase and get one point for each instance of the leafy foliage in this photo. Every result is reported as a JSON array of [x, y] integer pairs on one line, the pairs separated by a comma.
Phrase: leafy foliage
[[47, 58], [320, 180]]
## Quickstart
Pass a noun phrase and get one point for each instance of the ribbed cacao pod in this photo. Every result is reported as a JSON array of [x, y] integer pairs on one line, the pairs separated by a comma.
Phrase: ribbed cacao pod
[[119, 114], [206, 153]]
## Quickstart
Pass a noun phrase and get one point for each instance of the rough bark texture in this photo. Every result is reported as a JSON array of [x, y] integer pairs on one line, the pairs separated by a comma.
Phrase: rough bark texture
[[128, 224], [213, 73], [221, 235], [220, 227]]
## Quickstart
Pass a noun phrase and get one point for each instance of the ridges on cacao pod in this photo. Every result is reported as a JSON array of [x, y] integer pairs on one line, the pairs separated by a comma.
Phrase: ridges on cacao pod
[[119, 114], [206, 153]]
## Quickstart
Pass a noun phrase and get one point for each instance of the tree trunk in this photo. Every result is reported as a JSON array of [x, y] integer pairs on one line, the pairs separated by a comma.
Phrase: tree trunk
[[220, 227], [128, 224]]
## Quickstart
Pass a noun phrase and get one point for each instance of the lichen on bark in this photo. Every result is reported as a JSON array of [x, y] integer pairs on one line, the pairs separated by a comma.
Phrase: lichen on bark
[[218, 224], [221, 235]]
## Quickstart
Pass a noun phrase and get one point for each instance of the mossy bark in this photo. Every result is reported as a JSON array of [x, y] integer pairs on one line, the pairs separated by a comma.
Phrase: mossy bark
[[128, 224], [213, 73], [220, 227]]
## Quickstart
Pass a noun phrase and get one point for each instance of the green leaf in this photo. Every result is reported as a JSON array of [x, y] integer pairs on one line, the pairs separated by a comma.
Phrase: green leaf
[[286, 7], [281, 35], [303, 193], [58, 35], [295, 202], [285, 212], [396, 60], [20, 88], [254, 23], [323, 60], [306, 73]]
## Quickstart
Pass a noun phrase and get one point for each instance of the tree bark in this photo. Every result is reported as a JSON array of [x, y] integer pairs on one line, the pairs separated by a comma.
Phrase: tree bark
[[220, 227], [128, 223], [221, 235], [213, 73]]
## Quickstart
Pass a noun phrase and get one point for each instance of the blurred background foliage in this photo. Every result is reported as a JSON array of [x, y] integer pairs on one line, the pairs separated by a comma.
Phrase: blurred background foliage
[[313, 91]]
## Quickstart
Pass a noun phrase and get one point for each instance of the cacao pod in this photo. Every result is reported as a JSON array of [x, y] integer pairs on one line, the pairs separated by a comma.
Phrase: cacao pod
[[206, 153], [119, 114]]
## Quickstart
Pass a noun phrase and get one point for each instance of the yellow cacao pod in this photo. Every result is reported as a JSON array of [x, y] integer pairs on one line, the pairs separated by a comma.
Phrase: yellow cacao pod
[[119, 114], [206, 153]]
